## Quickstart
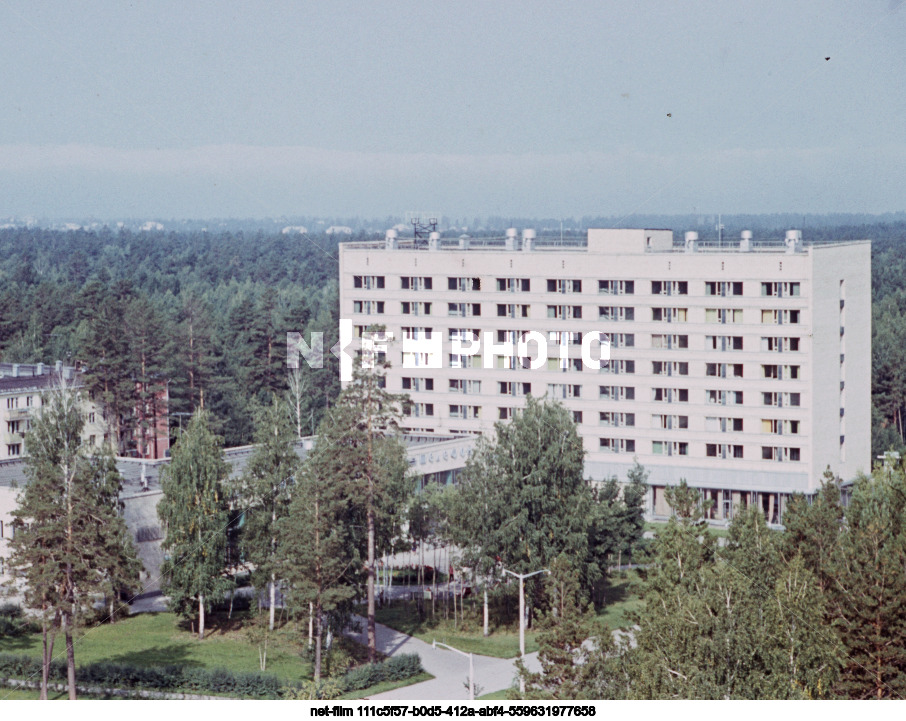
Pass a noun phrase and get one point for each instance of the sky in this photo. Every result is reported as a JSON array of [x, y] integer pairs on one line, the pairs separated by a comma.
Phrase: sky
[[196, 109]]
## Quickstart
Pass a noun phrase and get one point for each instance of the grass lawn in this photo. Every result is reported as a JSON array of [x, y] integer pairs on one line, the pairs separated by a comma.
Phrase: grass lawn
[[495, 696], [621, 597], [157, 639], [502, 643]]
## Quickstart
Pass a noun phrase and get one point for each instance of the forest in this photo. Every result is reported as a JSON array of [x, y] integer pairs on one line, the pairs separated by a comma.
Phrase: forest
[[208, 313]]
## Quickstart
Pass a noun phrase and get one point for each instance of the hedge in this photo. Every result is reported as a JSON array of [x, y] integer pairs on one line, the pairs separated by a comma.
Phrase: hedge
[[187, 678]]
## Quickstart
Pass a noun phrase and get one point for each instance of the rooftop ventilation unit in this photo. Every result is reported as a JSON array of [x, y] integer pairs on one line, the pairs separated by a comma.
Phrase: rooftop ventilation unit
[[391, 240], [434, 240], [745, 242], [528, 240], [511, 238], [691, 241], [464, 242], [793, 241]]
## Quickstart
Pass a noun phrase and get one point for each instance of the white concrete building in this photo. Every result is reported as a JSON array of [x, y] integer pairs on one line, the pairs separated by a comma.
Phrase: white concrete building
[[744, 369], [21, 386]]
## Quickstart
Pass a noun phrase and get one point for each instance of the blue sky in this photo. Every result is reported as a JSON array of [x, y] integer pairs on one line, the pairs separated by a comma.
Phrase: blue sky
[[201, 109]]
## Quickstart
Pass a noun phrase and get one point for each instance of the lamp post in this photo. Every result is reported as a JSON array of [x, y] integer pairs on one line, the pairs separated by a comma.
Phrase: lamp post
[[522, 577], [435, 644]]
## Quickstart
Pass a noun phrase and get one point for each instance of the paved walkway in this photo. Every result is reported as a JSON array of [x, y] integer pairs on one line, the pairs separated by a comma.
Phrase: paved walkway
[[450, 670]]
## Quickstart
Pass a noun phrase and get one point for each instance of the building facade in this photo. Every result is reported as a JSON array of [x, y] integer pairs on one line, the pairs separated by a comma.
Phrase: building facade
[[744, 369]]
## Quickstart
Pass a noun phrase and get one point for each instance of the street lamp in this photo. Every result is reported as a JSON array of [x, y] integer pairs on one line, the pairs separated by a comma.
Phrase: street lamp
[[435, 644], [522, 577]]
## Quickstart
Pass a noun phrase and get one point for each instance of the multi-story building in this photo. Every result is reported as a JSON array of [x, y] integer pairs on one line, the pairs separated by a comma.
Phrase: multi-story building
[[21, 386], [743, 369]]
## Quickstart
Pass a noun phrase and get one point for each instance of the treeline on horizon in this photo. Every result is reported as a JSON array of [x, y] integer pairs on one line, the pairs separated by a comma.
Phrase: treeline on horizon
[[209, 312]]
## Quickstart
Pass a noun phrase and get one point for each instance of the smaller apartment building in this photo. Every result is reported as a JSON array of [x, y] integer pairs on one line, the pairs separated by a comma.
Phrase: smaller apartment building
[[744, 369]]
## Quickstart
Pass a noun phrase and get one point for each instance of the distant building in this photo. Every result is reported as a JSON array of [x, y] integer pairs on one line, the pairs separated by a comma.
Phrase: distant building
[[21, 386], [743, 368], [151, 432]]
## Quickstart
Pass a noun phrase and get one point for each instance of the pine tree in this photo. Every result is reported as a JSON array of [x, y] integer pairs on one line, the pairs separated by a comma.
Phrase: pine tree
[[194, 512], [266, 486], [373, 465], [868, 574], [316, 541], [567, 632], [70, 537]]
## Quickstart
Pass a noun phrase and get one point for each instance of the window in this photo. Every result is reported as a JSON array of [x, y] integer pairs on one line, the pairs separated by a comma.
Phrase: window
[[780, 317], [669, 315], [506, 413], [564, 337], [669, 368], [617, 445], [669, 422], [615, 367], [28, 401], [463, 310], [12, 402], [670, 342], [723, 370], [669, 448], [723, 342], [368, 307], [561, 285], [465, 361], [512, 311], [723, 425], [616, 287], [669, 287], [617, 340], [723, 288], [577, 416], [723, 450], [780, 290], [463, 335], [780, 400], [408, 282], [616, 393], [776, 453], [564, 311], [615, 419], [459, 385], [724, 398], [723, 315], [418, 384], [465, 412], [418, 410], [12, 426], [615, 312], [506, 388], [780, 372], [368, 282], [779, 344], [14, 449], [415, 308], [564, 390], [670, 395], [416, 333], [780, 427], [513, 285], [464, 284]]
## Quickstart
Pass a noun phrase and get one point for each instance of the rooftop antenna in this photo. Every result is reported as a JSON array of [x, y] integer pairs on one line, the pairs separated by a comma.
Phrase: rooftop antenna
[[421, 230], [720, 229]]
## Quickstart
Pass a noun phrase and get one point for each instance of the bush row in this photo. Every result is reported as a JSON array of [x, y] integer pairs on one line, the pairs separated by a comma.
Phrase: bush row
[[200, 680]]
